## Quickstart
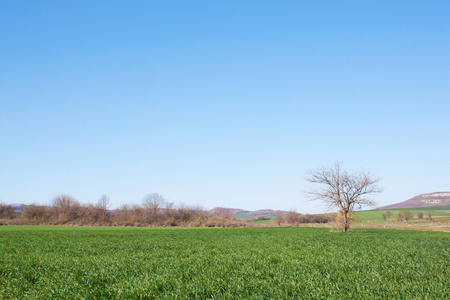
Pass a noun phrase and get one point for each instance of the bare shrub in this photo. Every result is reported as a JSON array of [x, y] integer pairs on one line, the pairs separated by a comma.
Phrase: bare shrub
[[122, 215], [223, 212], [63, 208], [34, 212], [404, 215], [321, 219], [279, 218], [386, 215], [7, 212], [293, 218], [94, 215], [154, 204], [185, 215], [258, 218], [221, 221]]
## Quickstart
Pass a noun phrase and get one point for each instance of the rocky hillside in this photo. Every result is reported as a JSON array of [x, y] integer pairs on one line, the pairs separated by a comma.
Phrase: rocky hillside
[[423, 200]]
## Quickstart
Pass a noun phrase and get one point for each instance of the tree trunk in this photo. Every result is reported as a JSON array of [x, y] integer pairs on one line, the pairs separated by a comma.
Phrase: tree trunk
[[346, 221]]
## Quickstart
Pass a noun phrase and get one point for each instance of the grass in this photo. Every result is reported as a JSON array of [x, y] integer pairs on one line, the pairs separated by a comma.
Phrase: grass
[[376, 213], [247, 215], [42, 262], [264, 221], [438, 213]]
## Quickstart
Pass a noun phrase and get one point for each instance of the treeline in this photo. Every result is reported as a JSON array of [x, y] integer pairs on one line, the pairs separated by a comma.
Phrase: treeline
[[153, 211], [293, 218]]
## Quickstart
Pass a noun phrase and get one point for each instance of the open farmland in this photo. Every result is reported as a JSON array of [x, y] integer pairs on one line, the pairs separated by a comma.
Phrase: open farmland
[[43, 262], [373, 218], [437, 212]]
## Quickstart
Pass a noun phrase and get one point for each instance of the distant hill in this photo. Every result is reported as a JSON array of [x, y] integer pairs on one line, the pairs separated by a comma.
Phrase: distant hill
[[18, 207], [244, 214], [423, 200], [268, 212], [234, 211]]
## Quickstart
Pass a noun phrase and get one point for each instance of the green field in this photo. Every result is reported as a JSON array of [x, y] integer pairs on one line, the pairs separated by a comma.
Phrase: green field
[[247, 215], [374, 217], [442, 212], [43, 262]]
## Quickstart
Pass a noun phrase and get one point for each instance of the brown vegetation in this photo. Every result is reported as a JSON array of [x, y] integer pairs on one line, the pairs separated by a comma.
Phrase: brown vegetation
[[258, 218], [386, 215], [293, 218], [7, 212], [279, 218], [404, 215], [154, 211]]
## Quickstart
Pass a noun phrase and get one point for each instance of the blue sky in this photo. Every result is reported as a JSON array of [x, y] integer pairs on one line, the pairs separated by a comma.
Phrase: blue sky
[[221, 103]]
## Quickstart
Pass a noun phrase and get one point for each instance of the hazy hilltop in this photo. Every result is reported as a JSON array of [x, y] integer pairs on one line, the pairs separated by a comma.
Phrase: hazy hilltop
[[423, 200], [233, 211], [241, 213]]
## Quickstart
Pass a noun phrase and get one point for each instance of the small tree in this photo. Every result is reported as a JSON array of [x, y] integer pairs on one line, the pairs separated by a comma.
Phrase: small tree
[[279, 219], [345, 191], [429, 217], [386, 215], [420, 215], [404, 215]]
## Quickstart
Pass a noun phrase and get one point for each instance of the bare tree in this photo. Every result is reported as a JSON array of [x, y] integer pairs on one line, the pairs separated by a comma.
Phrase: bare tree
[[154, 201], [104, 202], [343, 190], [63, 203]]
